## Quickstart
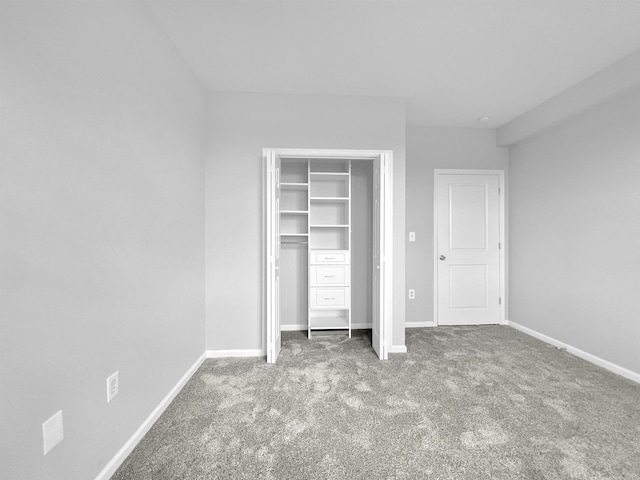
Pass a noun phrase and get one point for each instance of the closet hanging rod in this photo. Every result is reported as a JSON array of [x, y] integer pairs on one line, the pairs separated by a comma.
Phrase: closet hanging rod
[[294, 242]]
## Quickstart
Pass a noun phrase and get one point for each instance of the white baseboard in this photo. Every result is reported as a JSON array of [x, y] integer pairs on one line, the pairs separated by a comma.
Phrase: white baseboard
[[111, 467], [255, 352], [612, 367], [293, 328], [419, 324], [398, 349], [303, 326]]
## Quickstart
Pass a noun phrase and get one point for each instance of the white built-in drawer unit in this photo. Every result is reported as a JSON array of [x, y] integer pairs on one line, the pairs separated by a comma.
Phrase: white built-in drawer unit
[[334, 297], [321, 275], [329, 256]]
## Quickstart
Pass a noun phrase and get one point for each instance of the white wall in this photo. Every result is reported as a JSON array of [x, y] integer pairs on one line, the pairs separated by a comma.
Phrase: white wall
[[102, 228], [574, 226], [240, 126], [428, 149]]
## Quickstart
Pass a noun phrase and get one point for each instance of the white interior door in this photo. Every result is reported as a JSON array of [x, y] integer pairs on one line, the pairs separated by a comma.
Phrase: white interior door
[[468, 249], [377, 330], [274, 338]]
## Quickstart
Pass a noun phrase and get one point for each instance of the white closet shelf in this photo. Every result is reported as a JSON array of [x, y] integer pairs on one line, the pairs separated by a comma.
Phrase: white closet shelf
[[328, 199], [328, 226], [294, 234], [328, 323], [294, 212], [328, 176], [294, 186]]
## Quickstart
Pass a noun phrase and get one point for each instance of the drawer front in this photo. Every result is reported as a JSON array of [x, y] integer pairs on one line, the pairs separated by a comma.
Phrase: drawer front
[[326, 257], [329, 297], [335, 275]]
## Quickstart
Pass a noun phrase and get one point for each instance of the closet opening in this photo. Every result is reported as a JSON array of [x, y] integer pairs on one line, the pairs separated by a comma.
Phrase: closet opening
[[327, 244]]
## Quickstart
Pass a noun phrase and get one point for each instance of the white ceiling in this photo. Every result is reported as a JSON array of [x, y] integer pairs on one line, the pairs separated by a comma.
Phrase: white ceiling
[[453, 61]]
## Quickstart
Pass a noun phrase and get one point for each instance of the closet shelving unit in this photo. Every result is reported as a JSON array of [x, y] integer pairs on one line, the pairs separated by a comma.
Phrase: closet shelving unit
[[315, 210], [294, 202], [329, 246]]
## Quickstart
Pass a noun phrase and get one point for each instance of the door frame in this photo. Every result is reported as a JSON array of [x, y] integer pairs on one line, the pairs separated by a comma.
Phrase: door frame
[[386, 321], [502, 235]]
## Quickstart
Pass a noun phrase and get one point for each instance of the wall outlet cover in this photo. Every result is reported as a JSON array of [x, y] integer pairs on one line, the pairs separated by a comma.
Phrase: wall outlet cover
[[113, 385], [412, 294], [52, 432]]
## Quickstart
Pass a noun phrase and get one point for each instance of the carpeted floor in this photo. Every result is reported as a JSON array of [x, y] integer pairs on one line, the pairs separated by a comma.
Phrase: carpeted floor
[[463, 403]]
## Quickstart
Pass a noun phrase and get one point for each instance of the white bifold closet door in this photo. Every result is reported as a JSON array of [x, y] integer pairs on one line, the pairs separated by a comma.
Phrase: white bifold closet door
[[377, 331], [274, 338]]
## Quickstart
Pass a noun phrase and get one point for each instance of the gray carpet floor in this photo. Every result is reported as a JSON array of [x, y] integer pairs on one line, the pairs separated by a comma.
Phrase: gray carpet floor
[[463, 403]]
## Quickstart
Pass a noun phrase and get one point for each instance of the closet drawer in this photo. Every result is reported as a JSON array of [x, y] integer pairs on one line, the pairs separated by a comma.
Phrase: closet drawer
[[329, 297], [329, 256], [334, 275]]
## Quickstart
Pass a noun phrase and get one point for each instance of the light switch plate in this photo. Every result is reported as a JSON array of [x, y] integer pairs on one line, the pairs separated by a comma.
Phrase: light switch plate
[[412, 236], [52, 432]]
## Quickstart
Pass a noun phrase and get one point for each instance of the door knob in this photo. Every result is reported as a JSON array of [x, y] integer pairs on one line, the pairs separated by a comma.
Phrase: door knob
[[442, 257]]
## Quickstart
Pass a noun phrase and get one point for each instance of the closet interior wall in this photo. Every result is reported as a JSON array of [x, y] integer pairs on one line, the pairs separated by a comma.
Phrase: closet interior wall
[[294, 261]]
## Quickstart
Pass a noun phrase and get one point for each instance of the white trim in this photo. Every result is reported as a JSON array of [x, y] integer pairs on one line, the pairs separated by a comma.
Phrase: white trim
[[502, 234], [251, 352], [420, 324], [338, 154], [303, 326], [398, 349], [117, 460], [612, 367], [294, 328], [387, 278]]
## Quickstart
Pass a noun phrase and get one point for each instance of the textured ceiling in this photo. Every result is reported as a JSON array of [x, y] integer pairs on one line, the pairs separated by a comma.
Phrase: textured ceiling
[[453, 61]]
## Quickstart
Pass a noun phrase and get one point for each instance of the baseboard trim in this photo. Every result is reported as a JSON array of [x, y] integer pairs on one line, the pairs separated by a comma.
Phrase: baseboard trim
[[255, 352], [303, 326], [398, 349], [420, 324], [292, 328], [612, 367], [117, 460]]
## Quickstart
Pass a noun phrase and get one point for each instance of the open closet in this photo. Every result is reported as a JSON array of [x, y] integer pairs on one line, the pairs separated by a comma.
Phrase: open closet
[[327, 247], [316, 211]]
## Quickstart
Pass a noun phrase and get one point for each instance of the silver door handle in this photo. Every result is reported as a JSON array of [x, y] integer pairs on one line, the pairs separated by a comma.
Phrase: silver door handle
[[442, 257]]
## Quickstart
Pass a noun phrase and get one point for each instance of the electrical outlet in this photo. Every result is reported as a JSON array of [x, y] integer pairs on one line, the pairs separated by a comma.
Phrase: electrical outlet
[[113, 386], [412, 294], [52, 432], [412, 236]]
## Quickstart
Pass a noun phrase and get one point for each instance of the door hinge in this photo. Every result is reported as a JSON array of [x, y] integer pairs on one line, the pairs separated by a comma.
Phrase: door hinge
[[499, 245]]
